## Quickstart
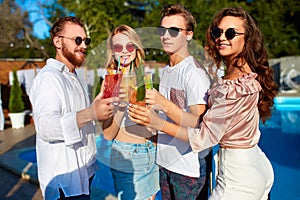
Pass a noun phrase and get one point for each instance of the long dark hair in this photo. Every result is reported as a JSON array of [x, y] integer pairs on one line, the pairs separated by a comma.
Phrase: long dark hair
[[254, 53]]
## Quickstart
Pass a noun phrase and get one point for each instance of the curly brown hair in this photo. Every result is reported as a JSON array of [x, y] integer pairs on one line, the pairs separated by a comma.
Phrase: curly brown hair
[[254, 53]]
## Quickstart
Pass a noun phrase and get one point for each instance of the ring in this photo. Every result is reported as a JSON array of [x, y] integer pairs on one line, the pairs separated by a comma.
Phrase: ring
[[144, 120]]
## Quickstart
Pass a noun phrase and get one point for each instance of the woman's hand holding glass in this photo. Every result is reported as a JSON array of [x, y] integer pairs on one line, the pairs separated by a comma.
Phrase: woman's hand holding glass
[[145, 116]]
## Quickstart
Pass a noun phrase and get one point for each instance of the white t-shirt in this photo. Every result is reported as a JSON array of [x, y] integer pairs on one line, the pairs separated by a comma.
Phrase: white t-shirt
[[185, 84]]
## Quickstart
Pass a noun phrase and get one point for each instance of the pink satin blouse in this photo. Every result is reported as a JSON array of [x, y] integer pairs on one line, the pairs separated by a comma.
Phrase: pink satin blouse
[[233, 118]]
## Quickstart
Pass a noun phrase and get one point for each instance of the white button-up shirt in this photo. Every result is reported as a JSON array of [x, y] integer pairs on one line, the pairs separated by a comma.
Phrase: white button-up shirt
[[65, 153]]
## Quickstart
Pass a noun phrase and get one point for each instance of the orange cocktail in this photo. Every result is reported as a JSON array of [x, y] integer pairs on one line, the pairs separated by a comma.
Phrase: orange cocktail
[[133, 99]]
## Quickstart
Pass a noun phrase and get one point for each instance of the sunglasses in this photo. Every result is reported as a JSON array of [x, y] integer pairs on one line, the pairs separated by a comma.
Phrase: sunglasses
[[229, 33], [130, 47], [173, 31], [78, 40]]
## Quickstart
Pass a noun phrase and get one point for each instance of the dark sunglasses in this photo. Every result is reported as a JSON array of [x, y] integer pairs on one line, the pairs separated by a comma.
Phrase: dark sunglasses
[[130, 47], [173, 31], [230, 33], [78, 40]]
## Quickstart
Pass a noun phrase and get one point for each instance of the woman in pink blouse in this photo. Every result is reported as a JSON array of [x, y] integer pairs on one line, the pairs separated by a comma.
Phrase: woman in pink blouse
[[236, 104]]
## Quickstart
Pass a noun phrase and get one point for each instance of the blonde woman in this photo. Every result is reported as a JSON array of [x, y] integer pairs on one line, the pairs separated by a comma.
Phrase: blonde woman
[[133, 150]]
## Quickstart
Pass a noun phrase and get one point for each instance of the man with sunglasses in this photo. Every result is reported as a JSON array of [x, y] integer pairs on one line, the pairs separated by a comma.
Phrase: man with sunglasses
[[64, 120], [183, 87]]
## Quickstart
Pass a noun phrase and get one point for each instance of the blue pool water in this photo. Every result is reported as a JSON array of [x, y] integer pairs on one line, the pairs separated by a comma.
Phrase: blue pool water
[[29, 155], [279, 140]]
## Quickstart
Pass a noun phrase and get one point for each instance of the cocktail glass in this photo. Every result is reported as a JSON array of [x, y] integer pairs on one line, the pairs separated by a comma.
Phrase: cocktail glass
[[148, 80], [138, 94], [111, 85], [128, 86], [134, 99]]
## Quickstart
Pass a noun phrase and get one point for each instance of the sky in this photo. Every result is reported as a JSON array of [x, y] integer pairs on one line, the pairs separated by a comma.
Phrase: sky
[[40, 28]]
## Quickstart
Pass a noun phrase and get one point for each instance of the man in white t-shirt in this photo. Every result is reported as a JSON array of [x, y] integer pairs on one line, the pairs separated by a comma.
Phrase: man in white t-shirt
[[182, 97]]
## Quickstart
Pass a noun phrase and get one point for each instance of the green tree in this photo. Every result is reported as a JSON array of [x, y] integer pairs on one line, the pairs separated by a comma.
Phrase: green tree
[[278, 20], [100, 16], [16, 103], [16, 39]]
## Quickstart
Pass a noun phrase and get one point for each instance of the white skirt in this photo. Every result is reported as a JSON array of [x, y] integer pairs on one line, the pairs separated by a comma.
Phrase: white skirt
[[243, 174]]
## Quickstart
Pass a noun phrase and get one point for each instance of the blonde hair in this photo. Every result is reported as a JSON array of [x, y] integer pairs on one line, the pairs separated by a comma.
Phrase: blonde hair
[[111, 62]]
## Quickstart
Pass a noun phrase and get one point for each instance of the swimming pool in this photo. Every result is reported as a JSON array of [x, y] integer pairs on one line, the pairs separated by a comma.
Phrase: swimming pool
[[279, 140]]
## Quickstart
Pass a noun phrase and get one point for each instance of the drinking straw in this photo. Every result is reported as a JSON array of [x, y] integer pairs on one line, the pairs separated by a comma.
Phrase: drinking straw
[[130, 68], [118, 64], [123, 66]]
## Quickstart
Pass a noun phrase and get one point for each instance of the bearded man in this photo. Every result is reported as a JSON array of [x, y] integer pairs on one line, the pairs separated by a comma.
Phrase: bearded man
[[64, 119]]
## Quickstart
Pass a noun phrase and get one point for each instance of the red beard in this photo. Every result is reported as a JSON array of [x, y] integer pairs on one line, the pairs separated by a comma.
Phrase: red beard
[[72, 57]]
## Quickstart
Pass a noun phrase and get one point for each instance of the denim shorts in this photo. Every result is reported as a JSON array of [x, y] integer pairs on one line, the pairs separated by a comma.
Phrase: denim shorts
[[133, 167]]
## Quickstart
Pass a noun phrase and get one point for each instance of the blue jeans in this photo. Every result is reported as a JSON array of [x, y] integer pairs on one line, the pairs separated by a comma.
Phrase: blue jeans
[[136, 176]]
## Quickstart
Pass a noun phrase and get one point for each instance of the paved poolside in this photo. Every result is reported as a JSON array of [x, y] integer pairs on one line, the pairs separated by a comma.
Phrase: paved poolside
[[13, 185], [19, 177]]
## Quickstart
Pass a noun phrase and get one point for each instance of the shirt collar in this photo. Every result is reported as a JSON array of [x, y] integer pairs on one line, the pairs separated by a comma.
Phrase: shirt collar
[[57, 65]]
